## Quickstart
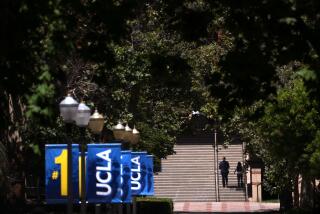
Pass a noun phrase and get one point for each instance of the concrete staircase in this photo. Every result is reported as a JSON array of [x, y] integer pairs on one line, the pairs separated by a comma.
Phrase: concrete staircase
[[189, 174], [233, 154]]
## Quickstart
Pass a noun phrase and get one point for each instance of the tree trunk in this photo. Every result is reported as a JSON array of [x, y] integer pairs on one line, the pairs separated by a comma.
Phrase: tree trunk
[[296, 191], [306, 200]]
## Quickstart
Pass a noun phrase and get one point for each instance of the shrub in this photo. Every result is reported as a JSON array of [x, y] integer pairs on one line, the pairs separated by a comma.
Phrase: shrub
[[298, 211], [154, 205]]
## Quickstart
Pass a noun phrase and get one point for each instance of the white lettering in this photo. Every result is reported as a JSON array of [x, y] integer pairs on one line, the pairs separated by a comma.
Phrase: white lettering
[[136, 161], [135, 173], [135, 185], [108, 187], [104, 182], [105, 155], [135, 178]]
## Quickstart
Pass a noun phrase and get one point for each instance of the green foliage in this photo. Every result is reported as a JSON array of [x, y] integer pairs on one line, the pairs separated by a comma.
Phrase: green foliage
[[156, 141], [288, 127], [264, 38], [154, 205], [248, 64], [41, 95], [307, 74], [314, 150], [289, 124], [282, 132], [128, 59]]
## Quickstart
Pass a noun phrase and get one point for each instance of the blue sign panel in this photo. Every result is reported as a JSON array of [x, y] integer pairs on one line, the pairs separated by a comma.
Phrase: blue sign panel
[[126, 177], [150, 181], [56, 166], [103, 173], [138, 173]]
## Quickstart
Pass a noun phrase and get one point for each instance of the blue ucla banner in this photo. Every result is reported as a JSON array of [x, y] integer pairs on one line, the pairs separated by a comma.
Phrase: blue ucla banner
[[103, 173], [126, 177], [150, 180], [56, 173], [138, 173]]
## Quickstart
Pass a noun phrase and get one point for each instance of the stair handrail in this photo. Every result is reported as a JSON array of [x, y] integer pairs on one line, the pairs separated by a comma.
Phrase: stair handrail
[[245, 171], [216, 150]]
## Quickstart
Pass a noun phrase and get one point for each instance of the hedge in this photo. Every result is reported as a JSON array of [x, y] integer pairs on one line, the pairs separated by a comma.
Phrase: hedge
[[154, 205]]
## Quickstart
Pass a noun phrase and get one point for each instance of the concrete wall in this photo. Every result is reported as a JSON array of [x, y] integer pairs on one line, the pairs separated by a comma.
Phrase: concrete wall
[[256, 182]]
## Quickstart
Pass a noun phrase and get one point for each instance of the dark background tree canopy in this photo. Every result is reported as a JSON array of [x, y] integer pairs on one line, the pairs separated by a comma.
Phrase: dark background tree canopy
[[151, 63]]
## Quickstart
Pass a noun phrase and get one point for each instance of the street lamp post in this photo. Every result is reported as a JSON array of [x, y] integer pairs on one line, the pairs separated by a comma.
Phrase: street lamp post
[[135, 136], [119, 131], [96, 125], [132, 136], [72, 112], [127, 133], [68, 110], [127, 138], [82, 120], [216, 150]]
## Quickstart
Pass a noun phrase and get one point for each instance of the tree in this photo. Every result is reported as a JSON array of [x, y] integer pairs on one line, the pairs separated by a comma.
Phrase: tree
[[120, 57], [140, 61], [266, 35], [283, 131]]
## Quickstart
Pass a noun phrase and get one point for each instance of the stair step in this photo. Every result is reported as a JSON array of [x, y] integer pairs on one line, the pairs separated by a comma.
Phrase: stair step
[[201, 180], [186, 192], [189, 174], [189, 187]]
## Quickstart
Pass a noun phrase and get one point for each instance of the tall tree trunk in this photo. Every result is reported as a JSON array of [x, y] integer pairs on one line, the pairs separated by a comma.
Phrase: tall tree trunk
[[11, 119], [296, 191], [306, 200]]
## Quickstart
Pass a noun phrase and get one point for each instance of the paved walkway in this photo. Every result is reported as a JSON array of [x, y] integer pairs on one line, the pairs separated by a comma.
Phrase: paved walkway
[[224, 207]]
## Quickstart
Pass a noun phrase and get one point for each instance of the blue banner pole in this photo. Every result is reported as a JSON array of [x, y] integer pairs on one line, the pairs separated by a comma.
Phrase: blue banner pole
[[150, 179], [126, 177]]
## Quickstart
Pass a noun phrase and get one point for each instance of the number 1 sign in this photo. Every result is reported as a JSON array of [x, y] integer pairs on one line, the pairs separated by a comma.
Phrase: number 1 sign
[[57, 173]]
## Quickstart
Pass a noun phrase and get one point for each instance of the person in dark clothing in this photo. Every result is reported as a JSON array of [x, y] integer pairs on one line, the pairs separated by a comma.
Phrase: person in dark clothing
[[239, 171], [224, 170]]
